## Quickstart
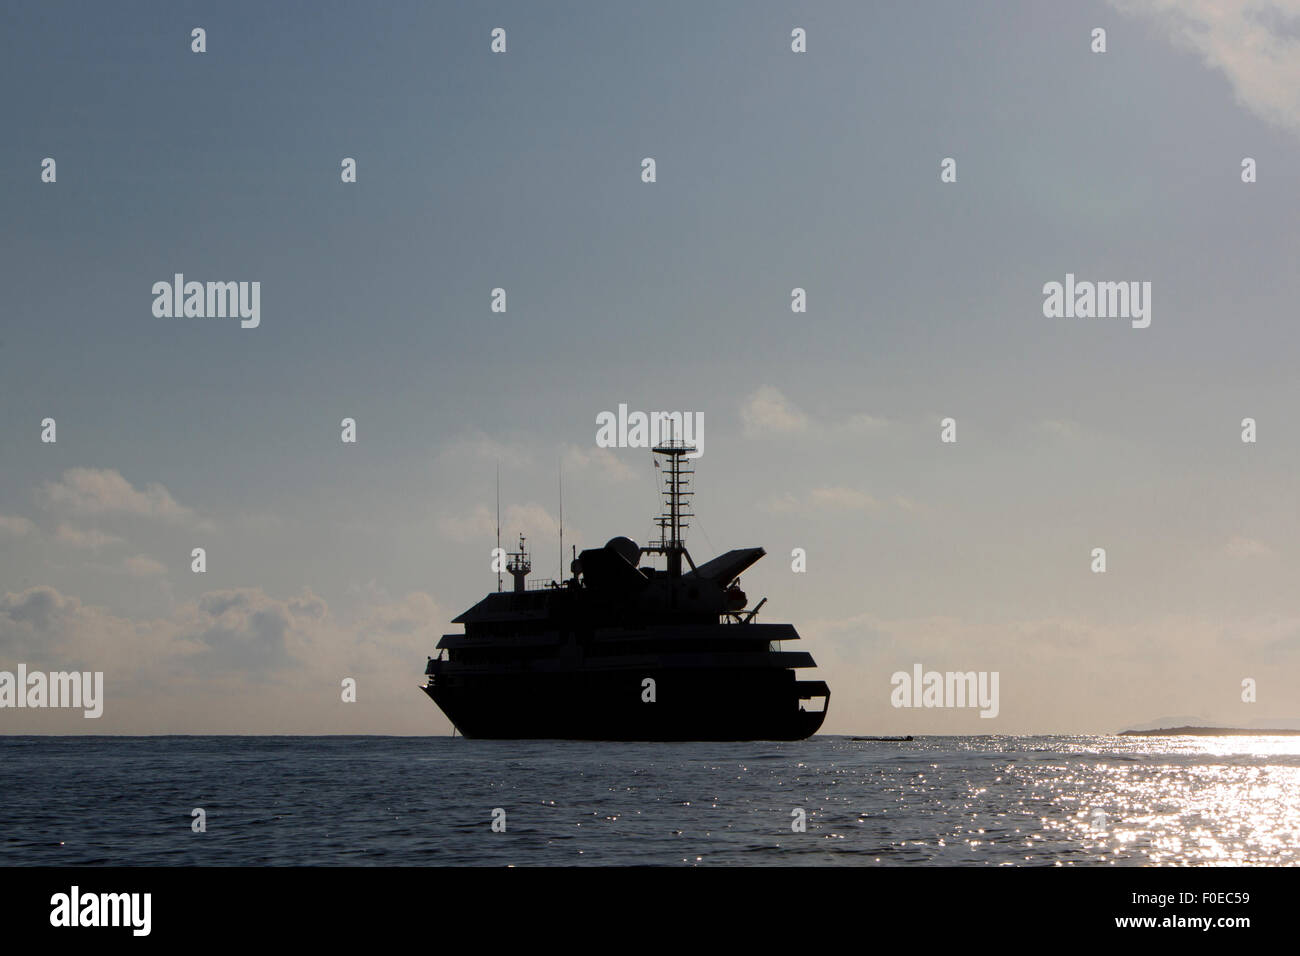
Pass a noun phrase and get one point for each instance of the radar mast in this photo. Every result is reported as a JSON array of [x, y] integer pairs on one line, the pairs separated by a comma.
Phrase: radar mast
[[677, 494]]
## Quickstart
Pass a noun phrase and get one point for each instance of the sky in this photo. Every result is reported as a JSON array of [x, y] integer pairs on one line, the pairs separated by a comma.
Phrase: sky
[[774, 170]]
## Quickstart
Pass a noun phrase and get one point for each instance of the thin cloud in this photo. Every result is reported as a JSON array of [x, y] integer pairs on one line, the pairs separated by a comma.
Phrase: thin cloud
[[104, 491], [768, 412], [840, 499], [143, 566], [1240, 548], [1253, 43], [16, 525], [482, 447], [601, 463], [531, 520], [836, 498], [88, 539], [1058, 427]]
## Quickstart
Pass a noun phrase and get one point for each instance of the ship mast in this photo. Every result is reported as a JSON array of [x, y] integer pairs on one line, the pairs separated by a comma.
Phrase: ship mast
[[677, 494], [519, 566]]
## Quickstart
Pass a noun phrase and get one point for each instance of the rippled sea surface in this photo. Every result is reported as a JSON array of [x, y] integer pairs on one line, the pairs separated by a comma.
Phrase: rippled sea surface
[[430, 800]]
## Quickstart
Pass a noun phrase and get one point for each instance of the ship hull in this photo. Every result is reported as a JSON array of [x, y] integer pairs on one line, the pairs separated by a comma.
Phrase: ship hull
[[714, 706]]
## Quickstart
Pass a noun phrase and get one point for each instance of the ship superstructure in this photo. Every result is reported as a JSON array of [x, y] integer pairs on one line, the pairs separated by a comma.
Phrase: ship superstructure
[[626, 651]]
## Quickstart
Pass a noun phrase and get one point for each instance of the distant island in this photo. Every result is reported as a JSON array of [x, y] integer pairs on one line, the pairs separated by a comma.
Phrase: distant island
[[1209, 732]]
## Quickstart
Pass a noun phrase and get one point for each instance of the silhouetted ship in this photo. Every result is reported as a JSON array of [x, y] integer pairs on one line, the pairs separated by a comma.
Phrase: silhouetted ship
[[627, 652]]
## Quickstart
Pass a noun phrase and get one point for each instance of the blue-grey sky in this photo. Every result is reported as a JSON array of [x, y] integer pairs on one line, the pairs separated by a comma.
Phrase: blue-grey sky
[[775, 170]]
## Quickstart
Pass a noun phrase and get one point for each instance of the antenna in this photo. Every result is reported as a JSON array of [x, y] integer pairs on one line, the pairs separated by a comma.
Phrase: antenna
[[497, 556], [561, 473]]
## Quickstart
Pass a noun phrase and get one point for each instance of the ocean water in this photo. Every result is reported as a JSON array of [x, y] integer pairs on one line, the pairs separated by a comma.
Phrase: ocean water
[[430, 801]]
